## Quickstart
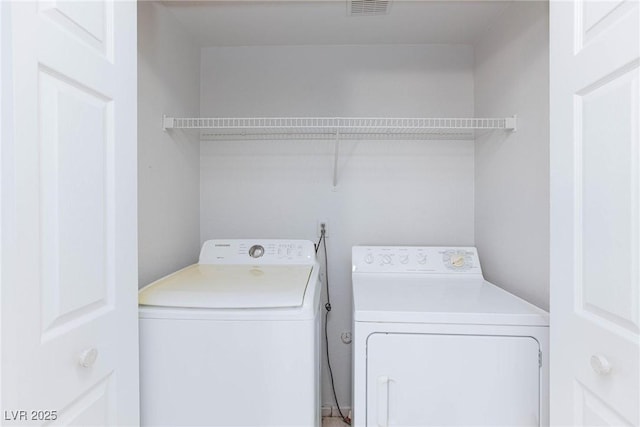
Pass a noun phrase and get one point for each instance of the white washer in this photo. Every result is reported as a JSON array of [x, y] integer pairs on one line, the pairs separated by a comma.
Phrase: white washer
[[235, 339], [436, 344]]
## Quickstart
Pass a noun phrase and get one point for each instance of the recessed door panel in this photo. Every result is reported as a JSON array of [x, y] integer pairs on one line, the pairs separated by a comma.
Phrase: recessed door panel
[[590, 410], [93, 408], [452, 380], [90, 22], [596, 17], [76, 171], [607, 211]]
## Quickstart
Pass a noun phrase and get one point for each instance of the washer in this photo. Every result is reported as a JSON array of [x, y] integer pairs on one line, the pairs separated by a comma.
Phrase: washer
[[436, 344], [235, 339]]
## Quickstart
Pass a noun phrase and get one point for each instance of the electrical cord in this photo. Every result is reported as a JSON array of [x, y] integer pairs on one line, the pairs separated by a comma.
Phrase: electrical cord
[[327, 307]]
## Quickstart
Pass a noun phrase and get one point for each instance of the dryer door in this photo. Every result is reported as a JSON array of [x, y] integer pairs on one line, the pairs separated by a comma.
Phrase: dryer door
[[452, 380]]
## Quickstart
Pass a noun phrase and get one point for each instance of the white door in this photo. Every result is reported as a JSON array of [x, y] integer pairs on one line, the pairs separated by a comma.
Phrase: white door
[[595, 212], [69, 254], [452, 380]]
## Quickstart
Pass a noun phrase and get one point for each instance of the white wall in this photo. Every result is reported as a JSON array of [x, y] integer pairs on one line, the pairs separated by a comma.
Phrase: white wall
[[512, 172], [168, 163], [398, 193]]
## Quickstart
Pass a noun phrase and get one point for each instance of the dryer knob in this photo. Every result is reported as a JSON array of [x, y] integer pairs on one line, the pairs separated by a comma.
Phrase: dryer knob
[[404, 259], [368, 259]]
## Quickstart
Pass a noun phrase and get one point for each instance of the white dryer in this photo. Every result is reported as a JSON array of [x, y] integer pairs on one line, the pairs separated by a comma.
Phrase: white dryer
[[235, 339], [437, 345]]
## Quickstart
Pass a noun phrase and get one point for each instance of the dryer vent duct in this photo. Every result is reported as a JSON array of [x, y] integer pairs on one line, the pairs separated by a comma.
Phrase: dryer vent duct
[[368, 7]]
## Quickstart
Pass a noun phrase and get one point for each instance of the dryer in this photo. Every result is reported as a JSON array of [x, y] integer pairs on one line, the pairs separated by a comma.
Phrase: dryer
[[233, 340], [436, 344]]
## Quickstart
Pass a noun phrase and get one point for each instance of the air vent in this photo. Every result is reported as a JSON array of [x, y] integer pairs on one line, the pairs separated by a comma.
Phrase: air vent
[[368, 7]]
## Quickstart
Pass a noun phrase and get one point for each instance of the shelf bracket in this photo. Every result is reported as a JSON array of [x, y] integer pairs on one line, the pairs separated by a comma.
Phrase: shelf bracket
[[167, 122], [511, 123], [336, 155]]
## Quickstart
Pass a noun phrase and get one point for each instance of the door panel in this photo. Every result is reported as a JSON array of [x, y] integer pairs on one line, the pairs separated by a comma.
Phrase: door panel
[[607, 197], [77, 227], [590, 410], [596, 17], [95, 404], [454, 380], [89, 21], [69, 259], [595, 212]]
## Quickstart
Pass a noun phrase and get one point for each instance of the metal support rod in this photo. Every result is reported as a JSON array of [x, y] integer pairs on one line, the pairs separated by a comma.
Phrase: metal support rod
[[336, 154]]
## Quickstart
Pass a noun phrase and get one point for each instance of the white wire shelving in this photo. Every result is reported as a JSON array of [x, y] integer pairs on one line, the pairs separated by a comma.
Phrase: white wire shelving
[[252, 128], [338, 128]]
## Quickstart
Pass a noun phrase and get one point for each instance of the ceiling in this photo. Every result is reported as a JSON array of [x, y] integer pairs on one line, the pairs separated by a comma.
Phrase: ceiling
[[326, 22]]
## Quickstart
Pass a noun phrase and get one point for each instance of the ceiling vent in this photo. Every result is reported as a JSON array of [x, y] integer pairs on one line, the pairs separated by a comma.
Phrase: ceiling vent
[[368, 7]]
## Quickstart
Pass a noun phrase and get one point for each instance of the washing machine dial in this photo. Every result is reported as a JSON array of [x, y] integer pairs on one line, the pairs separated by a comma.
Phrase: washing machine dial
[[404, 259], [422, 258], [256, 251], [368, 259]]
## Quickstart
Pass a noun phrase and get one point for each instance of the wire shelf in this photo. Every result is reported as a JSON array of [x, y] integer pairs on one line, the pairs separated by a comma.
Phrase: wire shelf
[[338, 127]]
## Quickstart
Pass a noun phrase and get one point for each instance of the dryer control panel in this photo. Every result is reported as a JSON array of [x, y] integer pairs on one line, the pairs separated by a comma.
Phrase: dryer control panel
[[415, 259], [258, 252]]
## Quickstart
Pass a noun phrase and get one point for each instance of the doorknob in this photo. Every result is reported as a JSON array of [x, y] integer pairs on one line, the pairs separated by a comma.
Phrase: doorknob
[[600, 364], [88, 357]]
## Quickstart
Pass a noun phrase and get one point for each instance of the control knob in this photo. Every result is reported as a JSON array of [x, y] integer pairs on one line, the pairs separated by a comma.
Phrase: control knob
[[404, 259], [422, 258], [457, 260], [368, 259], [256, 251]]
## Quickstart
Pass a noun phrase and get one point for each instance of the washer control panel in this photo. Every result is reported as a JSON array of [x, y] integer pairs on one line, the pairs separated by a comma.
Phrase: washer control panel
[[260, 251], [415, 259]]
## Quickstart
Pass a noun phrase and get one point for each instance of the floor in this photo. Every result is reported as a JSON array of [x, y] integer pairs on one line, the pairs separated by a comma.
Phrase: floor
[[333, 422]]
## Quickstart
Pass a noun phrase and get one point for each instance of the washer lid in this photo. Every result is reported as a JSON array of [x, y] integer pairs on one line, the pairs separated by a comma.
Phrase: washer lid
[[416, 299], [230, 286]]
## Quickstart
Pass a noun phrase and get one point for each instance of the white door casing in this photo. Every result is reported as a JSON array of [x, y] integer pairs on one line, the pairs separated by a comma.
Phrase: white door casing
[[595, 212], [69, 230]]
